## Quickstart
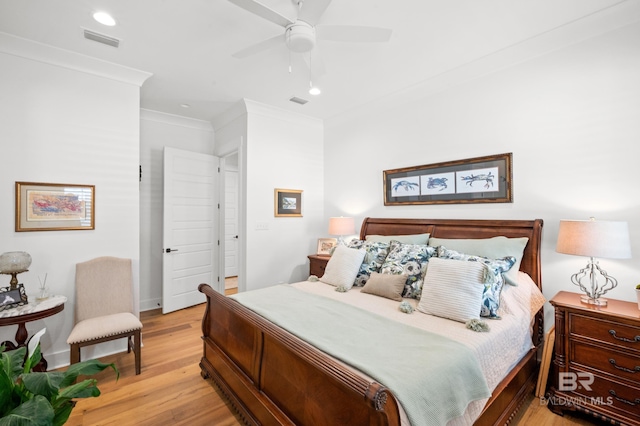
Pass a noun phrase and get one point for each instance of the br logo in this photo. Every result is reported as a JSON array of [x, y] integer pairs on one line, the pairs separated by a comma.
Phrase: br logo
[[570, 381]]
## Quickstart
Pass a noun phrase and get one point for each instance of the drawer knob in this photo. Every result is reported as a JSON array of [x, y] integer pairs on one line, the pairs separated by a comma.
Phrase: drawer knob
[[626, 401], [624, 339], [628, 370]]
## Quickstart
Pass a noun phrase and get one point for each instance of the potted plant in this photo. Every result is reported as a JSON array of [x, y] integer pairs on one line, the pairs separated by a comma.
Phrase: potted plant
[[36, 398]]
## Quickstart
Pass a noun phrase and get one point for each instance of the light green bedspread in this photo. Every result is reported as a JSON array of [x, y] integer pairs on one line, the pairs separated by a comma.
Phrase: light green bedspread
[[433, 377]]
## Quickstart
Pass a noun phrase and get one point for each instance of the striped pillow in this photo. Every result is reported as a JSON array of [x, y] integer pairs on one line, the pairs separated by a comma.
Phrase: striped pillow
[[452, 289]]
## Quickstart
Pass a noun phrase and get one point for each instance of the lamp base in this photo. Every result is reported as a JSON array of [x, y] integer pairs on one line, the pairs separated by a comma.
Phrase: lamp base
[[591, 301]]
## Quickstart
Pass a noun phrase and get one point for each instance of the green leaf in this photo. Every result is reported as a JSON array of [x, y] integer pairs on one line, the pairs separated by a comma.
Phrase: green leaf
[[12, 362], [7, 395], [85, 389], [86, 368], [62, 413], [35, 412], [33, 360], [45, 384]]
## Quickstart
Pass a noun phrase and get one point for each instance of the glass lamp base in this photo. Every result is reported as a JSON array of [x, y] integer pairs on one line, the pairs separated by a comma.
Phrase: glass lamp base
[[591, 301]]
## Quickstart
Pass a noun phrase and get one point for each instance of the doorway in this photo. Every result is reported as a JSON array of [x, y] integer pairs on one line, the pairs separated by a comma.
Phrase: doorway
[[231, 218]]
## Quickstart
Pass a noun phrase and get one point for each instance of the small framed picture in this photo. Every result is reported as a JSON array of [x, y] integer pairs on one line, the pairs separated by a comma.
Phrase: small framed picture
[[288, 202], [10, 298], [326, 245]]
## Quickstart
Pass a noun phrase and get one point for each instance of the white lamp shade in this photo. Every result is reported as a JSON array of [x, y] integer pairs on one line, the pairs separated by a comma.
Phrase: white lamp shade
[[341, 226], [14, 262], [591, 238]]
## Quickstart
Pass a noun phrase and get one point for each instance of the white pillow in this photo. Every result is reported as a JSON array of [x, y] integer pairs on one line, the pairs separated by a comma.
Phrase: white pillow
[[525, 298], [494, 248], [452, 289], [343, 266]]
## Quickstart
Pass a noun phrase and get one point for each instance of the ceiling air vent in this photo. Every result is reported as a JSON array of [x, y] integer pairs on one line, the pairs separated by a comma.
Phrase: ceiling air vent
[[298, 100], [101, 38]]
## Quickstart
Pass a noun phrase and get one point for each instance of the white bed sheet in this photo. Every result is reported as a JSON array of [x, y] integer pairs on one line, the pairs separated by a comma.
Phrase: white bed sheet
[[508, 340]]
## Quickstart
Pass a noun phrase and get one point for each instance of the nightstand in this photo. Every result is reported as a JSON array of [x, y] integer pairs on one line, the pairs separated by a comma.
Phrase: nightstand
[[596, 366], [317, 264]]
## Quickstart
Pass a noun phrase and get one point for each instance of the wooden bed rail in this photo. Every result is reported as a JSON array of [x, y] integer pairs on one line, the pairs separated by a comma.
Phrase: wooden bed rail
[[251, 358]]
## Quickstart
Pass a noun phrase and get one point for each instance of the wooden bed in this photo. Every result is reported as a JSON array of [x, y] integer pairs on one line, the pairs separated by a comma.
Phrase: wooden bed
[[273, 378]]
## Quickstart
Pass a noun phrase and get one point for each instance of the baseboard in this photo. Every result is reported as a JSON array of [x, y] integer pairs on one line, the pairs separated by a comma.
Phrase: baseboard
[[149, 304], [61, 359]]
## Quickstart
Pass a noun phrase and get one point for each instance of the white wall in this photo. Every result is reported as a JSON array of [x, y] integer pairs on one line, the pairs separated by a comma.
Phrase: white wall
[[278, 149], [158, 130], [571, 119], [62, 125]]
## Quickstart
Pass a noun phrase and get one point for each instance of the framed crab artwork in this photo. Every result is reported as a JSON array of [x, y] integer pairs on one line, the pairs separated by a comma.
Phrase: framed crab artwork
[[472, 180]]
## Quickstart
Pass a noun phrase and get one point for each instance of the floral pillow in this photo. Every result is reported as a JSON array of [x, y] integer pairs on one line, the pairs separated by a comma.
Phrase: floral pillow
[[409, 259], [375, 254], [493, 279]]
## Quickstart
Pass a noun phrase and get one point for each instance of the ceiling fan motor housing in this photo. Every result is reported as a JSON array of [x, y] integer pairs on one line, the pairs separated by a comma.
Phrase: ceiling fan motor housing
[[300, 37]]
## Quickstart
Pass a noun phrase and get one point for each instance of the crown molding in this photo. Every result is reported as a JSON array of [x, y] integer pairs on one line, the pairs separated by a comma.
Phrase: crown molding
[[176, 120], [40, 52]]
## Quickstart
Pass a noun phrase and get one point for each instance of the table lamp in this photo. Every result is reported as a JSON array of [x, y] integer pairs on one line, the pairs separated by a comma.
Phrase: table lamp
[[591, 238], [341, 226], [12, 263]]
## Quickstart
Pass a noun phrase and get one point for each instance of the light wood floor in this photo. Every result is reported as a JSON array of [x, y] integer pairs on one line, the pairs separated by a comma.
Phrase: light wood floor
[[170, 390]]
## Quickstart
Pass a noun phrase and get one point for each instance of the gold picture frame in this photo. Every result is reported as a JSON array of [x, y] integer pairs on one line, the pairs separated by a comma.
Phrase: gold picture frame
[[54, 207], [287, 202], [326, 246]]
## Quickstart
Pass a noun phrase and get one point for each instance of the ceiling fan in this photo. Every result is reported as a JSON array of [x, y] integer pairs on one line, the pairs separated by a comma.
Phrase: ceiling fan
[[301, 33]]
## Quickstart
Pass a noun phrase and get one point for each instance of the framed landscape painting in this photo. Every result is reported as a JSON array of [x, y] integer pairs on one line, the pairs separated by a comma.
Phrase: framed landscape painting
[[288, 203]]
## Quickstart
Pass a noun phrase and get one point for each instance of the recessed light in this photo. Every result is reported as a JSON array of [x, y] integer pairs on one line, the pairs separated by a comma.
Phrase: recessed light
[[315, 91], [104, 18]]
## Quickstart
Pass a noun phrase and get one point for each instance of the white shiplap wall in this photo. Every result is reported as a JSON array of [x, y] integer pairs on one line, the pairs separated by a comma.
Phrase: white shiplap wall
[[64, 120]]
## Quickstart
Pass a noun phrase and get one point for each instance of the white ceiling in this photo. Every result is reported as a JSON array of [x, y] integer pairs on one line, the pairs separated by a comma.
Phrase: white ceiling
[[187, 45]]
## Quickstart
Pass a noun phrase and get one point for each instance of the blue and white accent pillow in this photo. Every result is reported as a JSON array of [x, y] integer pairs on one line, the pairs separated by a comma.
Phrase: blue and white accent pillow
[[409, 259], [375, 254], [494, 279]]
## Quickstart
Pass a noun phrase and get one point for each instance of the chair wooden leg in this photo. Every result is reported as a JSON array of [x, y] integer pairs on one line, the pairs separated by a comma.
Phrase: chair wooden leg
[[74, 354], [136, 350], [129, 343]]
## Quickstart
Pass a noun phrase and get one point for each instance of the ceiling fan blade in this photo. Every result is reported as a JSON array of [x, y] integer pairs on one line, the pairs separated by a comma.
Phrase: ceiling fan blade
[[260, 47], [312, 10], [263, 11], [352, 33]]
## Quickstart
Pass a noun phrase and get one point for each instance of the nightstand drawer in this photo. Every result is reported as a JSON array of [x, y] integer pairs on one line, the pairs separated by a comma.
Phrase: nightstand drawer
[[612, 396], [605, 331], [317, 270], [317, 264], [607, 360]]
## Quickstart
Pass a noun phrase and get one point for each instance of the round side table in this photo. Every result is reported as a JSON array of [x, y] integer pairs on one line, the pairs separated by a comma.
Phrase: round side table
[[32, 311]]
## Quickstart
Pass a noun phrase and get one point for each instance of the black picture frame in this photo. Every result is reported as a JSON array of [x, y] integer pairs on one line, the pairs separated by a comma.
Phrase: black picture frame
[[288, 202], [10, 298], [473, 180]]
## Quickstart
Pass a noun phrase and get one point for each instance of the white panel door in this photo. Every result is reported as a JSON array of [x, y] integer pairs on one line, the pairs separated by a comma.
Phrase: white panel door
[[190, 233], [231, 235]]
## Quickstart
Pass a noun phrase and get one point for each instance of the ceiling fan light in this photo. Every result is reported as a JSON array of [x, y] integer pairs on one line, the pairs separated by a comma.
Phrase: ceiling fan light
[[315, 91], [104, 18], [300, 37]]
